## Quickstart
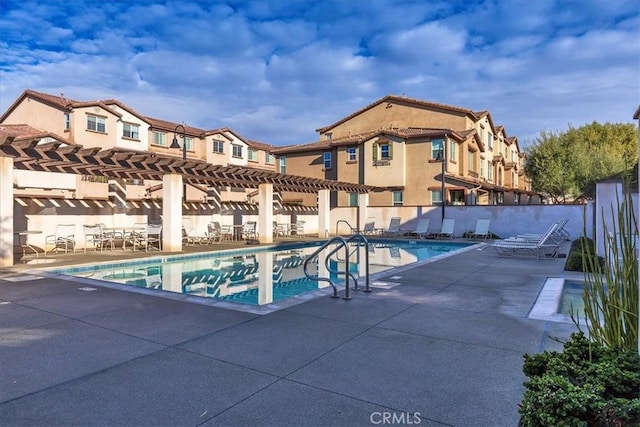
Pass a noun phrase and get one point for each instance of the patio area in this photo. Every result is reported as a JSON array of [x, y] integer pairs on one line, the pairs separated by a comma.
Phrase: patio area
[[436, 344]]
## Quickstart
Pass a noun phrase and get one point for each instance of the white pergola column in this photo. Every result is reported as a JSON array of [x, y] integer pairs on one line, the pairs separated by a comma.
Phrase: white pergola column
[[363, 206], [265, 213], [6, 211], [324, 212], [172, 213]]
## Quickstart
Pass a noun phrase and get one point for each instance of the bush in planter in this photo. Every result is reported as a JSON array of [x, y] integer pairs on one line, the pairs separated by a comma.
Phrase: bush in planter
[[587, 384], [575, 260]]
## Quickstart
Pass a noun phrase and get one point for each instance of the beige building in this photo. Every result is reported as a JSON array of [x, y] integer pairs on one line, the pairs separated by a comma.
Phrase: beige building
[[109, 124], [406, 145]]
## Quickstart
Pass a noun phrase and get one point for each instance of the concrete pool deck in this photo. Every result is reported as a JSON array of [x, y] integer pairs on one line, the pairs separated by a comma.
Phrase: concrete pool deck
[[444, 347]]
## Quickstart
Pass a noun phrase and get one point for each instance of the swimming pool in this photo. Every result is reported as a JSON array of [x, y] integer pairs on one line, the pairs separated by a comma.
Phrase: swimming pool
[[557, 298], [256, 276]]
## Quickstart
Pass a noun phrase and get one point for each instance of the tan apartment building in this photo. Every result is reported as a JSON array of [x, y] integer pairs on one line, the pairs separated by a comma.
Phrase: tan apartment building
[[408, 146], [109, 124]]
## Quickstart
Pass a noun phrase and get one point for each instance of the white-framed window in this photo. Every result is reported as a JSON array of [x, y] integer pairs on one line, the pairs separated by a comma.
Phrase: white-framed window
[[453, 150], [352, 154], [188, 142], [283, 164], [490, 140], [67, 121], [159, 138], [385, 151], [96, 123], [236, 150], [437, 149], [326, 158], [471, 157], [252, 155], [269, 159], [436, 197], [131, 131], [353, 199], [397, 198], [328, 136], [218, 146]]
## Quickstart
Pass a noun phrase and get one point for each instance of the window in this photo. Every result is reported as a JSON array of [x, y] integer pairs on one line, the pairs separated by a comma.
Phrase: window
[[159, 138], [490, 141], [437, 149], [384, 152], [453, 150], [67, 121], [218, 146], [269, 159], [436, 197], [283, 165], [397, 198], [326, 157], [130, 131], [236, 150], [96, 124], [471, 157], [328, 136], [481, 167], [252, 155], [353, 199], [489, 171], [188, 142], [351, 154]]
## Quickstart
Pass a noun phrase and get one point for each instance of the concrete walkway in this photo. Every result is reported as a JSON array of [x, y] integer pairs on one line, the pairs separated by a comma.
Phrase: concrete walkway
[[444, 347]]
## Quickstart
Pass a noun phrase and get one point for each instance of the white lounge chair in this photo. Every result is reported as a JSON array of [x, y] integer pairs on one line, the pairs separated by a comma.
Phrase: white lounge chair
[[545, 245], [482, 230], [96, 238], [446, 230], [559, 233], [422, 229], [394, 227], [249, 231]]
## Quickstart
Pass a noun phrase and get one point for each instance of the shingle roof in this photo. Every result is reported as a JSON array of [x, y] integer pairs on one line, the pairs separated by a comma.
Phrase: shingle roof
[[27, 132], [402, 99], [171, 126]]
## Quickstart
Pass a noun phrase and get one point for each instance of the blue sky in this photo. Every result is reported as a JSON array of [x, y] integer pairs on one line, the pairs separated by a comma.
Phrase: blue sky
[[276, 70]]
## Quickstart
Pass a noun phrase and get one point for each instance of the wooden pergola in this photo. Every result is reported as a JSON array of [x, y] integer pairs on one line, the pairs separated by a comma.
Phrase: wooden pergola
[[46, 153]]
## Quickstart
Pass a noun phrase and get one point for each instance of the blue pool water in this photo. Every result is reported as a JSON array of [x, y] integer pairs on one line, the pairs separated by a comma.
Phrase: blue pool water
[[572, 298], [256, 276]]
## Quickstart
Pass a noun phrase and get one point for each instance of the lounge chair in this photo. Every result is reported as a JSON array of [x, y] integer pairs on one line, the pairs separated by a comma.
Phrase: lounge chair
[[370, 227], [559, 233], [547, 245], [64, 239], [446, 230], [482, 230], [394, 227], [421, 230], [224, 231]]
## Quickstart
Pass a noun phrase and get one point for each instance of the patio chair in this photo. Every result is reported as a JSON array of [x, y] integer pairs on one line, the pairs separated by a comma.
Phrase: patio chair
[[149, 238], [64, 239], [249, 231], [446, 230], [394, 227], [370, 227], [190, 235], [280, 230], [297, 229], [482, 230], [95, 236], [217, 233], [545, 245]]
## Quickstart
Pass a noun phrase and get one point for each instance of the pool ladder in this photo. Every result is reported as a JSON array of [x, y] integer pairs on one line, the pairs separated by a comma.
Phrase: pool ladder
[[341, 243]]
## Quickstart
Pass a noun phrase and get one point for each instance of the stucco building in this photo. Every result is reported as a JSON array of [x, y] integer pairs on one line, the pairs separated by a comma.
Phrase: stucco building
[[406, 145]]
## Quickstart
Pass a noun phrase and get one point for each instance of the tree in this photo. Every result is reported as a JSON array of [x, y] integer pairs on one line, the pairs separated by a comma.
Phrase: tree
[[564, 165]]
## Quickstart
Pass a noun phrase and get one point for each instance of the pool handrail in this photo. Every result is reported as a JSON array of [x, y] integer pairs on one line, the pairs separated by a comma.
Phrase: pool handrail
[[353, 229], [341, 243], [363, 239]]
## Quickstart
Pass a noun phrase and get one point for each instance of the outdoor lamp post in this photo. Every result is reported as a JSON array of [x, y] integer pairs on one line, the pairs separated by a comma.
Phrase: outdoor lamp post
[[442, 158], [175, 144]]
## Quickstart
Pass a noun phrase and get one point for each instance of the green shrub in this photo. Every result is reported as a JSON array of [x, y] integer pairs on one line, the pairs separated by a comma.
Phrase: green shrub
[[575, 260], [585, 385]]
